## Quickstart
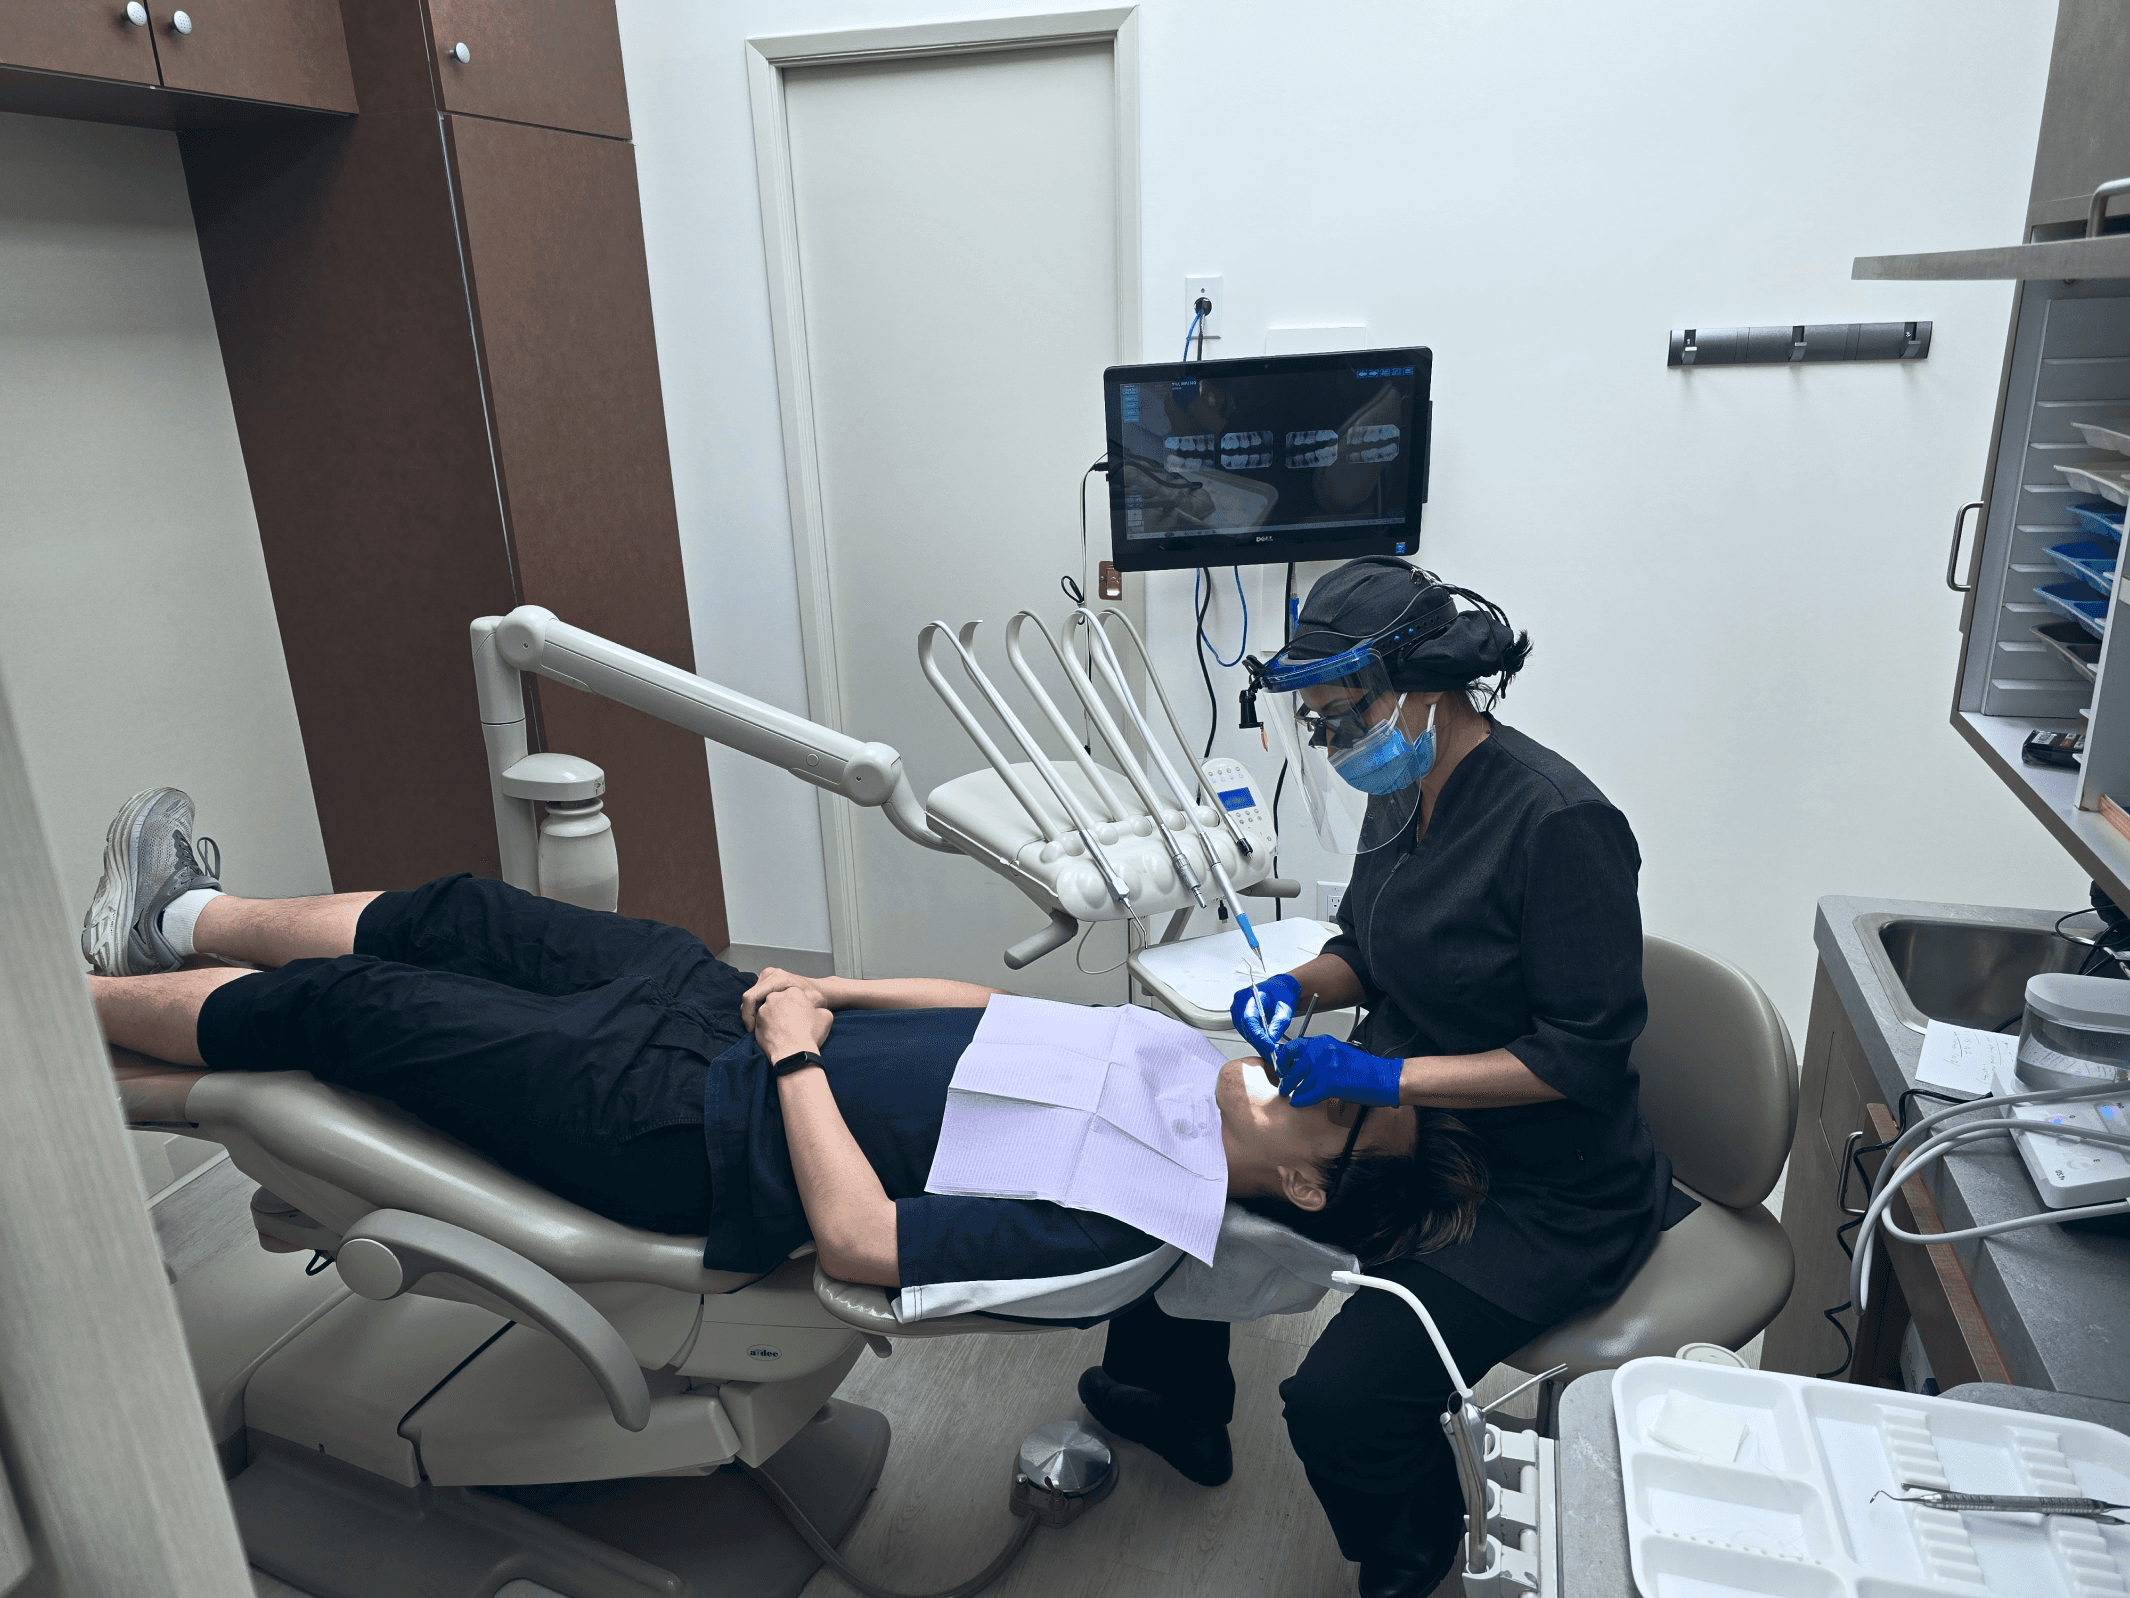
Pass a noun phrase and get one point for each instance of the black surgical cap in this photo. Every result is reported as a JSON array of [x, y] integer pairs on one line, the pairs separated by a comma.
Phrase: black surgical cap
[[1433, 647]]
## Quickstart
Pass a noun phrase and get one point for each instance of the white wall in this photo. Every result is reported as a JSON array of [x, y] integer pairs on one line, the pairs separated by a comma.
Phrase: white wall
[[137, 635], [1732, 577]]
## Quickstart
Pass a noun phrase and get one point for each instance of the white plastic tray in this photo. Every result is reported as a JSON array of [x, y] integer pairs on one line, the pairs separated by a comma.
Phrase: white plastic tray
[[2109, 432], [2105, 478], [1793, 1513]]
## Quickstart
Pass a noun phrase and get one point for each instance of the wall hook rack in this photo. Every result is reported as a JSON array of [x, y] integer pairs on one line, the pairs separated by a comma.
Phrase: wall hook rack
[[1801, 342]]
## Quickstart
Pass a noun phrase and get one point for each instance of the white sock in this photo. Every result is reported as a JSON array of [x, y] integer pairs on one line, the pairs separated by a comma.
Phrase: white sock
[[181, 915]]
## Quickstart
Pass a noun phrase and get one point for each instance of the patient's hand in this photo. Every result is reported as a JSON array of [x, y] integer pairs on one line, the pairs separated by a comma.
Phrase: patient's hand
[[786, 1022], [774, 981]]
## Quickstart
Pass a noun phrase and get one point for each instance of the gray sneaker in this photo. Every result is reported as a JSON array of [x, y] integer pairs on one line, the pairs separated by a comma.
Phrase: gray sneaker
[[148, 861]]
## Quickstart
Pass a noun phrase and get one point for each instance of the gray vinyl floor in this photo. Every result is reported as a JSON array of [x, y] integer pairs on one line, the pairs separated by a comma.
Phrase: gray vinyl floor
[[959, 1408]]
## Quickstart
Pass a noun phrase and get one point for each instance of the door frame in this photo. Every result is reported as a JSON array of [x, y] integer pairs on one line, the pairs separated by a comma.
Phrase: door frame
[[767, 61]]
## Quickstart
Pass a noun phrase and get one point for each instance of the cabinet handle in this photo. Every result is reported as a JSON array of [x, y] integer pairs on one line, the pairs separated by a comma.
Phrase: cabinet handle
[[460, 54], [136, 14], [181, 22], [1952, 560], [1841, 1188], [2097, 213]]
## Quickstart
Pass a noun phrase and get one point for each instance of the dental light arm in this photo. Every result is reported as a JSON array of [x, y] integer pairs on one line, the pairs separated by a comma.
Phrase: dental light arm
[[532, 639]]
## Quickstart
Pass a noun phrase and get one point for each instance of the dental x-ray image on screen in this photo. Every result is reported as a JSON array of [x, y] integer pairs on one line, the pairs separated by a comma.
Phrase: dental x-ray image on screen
[[1275, 458]]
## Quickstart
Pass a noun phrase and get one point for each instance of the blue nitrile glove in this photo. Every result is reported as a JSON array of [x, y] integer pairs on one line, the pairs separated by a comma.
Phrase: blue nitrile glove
[[1314, 1069], [1282, 993]]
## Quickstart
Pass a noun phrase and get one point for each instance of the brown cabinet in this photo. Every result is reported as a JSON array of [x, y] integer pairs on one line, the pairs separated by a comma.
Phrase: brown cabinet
[[1839, 1125], [183, 63], [553, 63], [284, 52], [444, 372], [90, 38]]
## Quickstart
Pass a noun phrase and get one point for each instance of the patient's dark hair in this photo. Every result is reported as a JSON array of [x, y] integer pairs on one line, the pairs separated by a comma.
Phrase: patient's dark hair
[[1389, 1204]]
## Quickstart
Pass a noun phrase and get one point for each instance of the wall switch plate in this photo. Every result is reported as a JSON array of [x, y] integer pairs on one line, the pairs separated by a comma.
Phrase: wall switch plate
[[1329, 895], [1193, 287]]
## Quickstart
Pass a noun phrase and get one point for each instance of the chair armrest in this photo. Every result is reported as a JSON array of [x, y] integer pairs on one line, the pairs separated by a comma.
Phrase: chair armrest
[[867, 1309], [388, 1251]]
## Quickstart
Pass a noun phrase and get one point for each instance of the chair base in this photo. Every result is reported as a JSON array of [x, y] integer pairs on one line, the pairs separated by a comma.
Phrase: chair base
[[335, 1531]]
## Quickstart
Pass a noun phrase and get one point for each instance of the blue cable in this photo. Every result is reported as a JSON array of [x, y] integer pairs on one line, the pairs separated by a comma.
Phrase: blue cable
[[1239, 594], [1193, 328]]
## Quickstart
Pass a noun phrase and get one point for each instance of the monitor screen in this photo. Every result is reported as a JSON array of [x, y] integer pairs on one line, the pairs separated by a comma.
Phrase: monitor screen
[[1275, 458]]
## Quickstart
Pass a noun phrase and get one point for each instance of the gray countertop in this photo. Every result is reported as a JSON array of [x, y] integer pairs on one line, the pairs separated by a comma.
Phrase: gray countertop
[[2058, 1301], [1593, 1513]]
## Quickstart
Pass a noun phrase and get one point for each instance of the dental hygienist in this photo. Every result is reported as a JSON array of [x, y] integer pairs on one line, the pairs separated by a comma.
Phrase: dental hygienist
[[1492, 931]]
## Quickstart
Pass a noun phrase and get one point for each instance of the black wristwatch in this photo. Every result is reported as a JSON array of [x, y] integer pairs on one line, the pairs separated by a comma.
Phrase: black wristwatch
[[795, 1062]]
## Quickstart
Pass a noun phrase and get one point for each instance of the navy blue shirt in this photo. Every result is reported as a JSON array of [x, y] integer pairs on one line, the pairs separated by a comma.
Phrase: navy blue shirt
[[889, 1071]]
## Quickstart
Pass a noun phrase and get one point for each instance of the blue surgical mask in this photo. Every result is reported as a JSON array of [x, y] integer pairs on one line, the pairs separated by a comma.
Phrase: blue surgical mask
[[1385, 760]]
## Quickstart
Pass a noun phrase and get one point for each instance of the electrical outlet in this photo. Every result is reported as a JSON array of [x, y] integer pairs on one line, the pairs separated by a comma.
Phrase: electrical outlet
[[1329, 895], [1209, 287]]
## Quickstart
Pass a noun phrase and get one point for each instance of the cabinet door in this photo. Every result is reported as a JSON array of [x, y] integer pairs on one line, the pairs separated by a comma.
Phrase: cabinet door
[[562, 306], [554, 63], [284, 52], [88, 37], [2085, 119]]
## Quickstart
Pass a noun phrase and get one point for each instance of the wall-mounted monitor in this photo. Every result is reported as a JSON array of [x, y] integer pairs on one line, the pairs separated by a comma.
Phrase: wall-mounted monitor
[[1275, 458]]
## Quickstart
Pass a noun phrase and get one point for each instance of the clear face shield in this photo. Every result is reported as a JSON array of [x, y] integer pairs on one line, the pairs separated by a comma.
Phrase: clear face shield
[[1343, 732]]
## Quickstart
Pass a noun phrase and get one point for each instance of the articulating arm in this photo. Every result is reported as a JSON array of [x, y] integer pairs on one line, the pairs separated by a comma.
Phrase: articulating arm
[[388, 1251], [531, 639]]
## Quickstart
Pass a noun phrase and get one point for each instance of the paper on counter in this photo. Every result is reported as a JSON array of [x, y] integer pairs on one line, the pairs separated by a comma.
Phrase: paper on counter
[[1965, 1059], [1108, 1110]]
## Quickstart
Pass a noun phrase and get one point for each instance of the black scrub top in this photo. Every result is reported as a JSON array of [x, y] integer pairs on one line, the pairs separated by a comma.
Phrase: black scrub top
[[1513, 923]]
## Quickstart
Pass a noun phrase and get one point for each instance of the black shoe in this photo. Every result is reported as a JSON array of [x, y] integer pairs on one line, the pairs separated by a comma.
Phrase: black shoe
[[1409, 1573], [1201, 1453]]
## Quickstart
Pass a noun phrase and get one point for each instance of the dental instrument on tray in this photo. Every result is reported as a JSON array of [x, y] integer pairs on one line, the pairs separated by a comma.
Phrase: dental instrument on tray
[[2094, 1509], [1084, 839]]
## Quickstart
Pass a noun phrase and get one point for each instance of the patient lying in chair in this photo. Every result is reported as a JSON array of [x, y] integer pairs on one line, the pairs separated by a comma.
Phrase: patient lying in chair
[[620, 1065]]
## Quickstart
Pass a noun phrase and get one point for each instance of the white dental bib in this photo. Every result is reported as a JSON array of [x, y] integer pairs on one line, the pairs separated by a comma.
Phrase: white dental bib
[[1109, 1110]]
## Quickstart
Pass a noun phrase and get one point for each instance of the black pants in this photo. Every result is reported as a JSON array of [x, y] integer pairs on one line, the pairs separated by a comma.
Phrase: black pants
[[568, 1045], [1361, 1411]]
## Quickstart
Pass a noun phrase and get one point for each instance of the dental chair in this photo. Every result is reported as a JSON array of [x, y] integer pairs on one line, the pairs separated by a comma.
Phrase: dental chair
[[394, 1416], [1719, 1091]]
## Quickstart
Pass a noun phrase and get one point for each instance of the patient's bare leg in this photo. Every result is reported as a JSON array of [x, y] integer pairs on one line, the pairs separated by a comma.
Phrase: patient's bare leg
[[272, 932], [158, 1015]]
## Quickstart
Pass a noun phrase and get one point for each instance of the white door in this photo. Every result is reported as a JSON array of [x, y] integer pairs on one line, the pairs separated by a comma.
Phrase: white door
[[957, 261]]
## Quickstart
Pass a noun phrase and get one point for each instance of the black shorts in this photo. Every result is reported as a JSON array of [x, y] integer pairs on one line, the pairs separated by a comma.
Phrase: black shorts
[[569, 1045]]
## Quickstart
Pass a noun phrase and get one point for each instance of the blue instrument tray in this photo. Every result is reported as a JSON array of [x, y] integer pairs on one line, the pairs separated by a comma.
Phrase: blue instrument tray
[[2095, 563], [2100, 518], [2076, 602]]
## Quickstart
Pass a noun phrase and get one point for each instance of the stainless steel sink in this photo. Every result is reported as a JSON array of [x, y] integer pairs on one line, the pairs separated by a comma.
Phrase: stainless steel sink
[[1970, 973]]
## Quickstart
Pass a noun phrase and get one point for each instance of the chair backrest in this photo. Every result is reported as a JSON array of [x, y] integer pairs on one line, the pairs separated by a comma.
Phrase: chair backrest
[[1719, 1077], [337, 1156]]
